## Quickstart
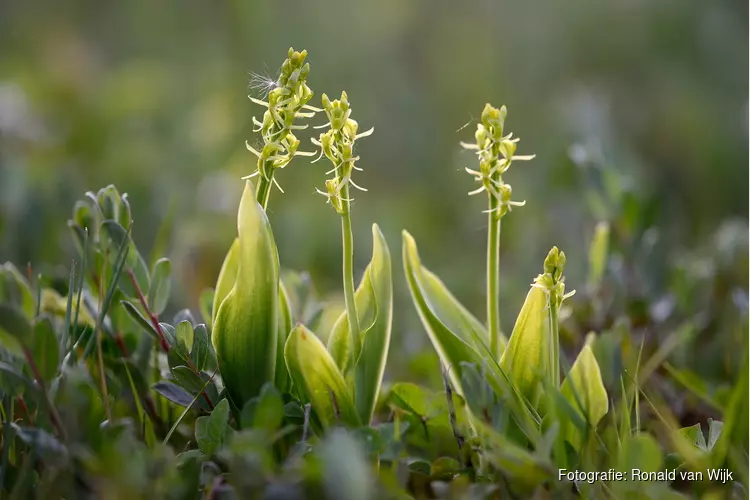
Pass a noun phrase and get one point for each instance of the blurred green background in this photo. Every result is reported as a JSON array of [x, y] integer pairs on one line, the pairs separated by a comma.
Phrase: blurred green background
[[152, 96]]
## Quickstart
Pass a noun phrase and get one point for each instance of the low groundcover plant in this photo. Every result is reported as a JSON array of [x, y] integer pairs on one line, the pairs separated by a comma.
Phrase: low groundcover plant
[[250, 396]]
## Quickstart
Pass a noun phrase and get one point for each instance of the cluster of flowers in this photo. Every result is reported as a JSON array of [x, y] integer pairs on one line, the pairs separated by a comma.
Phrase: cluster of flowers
[[496, 153], [337, 144], [287, 98]]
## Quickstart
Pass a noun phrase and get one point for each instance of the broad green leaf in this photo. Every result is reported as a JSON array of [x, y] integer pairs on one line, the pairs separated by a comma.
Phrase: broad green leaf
[[14, 380], [525, 358], [206, 304], [584, 389], [46, 446], [46, 348], [269, 411], [368, 372], [173, 393], [282, 380], [695, 436], [315, 374], [246, 325], [526, 469], [447, 308], [158, 293], [210, 430], [227, 277], [641, 452], [452, 348], [201, 347], [346, 472], [14, 322], [185, 336], [14, 288], [598, 253]]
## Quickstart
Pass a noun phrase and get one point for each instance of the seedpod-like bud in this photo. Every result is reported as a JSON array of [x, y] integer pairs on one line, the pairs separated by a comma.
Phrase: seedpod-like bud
[[245, 327]]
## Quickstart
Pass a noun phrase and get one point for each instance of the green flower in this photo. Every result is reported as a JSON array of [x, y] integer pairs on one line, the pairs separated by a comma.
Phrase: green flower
[[496, 154], [337, 144], [287, 101]]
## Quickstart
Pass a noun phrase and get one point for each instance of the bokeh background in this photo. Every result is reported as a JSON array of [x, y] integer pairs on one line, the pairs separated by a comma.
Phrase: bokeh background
[[152, 97]]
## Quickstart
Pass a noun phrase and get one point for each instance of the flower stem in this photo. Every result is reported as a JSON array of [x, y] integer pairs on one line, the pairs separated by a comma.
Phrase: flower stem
[[264, 186], [348, 268], [493, 282], [554, 329]]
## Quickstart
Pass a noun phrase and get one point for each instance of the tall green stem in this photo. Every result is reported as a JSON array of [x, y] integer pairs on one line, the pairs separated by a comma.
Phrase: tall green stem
[[348, 248], [264, 186], [554, 329], [493, 282]]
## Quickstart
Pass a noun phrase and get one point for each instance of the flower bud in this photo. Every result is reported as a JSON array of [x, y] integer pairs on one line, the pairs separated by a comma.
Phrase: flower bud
[[554, 264]]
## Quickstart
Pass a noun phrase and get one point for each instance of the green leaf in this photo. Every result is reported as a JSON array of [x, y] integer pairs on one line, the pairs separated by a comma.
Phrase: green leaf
[[173, 393], [200, 351], [694, 435], [412, 399], [46, 446], [584, 389], [451, 346], [368, 372], [133, 260], [14, 322], [282, 380], [346, 471], [246, 325], [206, 304], [525, 359], [227, 277], [46, 348], [316, 375], [269, 411], [523, 467], [714, 431], [598, 254], [210, 430], [158, 294], [133, 311], [15, 289], [641, 452], [185, 337], [15, 379], [15, 329]]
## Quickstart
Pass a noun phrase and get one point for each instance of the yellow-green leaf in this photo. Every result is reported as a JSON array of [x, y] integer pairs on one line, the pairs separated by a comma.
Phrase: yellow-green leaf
[[584, 389], [282, 380], [453, 347], [318, 379], [246, 324], [368, 372], [227, 277], [525, 358]]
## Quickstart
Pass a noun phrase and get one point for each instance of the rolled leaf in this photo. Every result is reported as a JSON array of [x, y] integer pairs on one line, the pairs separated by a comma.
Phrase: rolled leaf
[[245, 327], [318, 379], [282, 381], [227, 277], [525, 358], [453, 347], [584, 390], [368, 372]]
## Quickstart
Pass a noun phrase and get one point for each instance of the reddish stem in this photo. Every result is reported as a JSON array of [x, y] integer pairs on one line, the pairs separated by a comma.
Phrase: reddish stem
[[54, 417], [152, 316], [162, 339]]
